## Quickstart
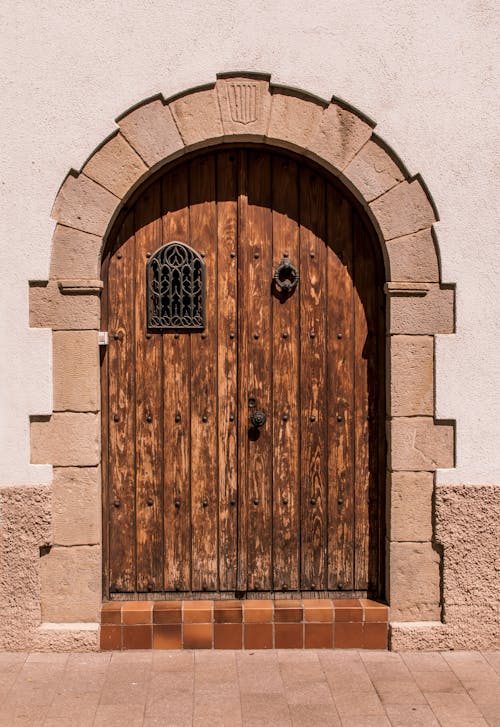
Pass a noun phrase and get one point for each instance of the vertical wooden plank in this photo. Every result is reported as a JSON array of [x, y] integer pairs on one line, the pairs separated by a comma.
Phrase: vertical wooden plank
[[257, 280], [243, 264], [176, 408], [227, 220], [122, 413], [286, 347], [104, 364], [313, 377], [370, 482], [204, 415], [340, 338], [363, 351], [148, 403]]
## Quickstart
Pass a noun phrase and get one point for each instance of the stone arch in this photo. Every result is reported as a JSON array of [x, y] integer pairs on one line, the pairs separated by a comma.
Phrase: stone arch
[[247, 108]]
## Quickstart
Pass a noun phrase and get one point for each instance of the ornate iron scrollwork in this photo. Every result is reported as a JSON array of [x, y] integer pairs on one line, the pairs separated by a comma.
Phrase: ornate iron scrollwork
[[286, 276], [175, 277]]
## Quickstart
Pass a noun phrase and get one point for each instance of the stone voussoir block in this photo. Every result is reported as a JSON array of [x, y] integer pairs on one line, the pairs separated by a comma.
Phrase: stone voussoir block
[[433, 312], [197, 116], [76, 371], [402, 210], [71, 584], [420, 444], [411, 379], [76, 506], [75, 254], [152, 132], [66, 439], [51, 308], [338, 136], [414, 582], [245, 104], [409, 506], [116, 166], [85, 205], [372, 171], [413, 257], [293, 119]]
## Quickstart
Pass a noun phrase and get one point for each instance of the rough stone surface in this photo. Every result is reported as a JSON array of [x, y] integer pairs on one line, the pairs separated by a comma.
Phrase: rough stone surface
[[66, 439], [402, 210], [197, 117], [293, 119], [411, 378], [75, 254], [414, 582], [258, 105], [409, 506], [84, 205], [49, 308], [433, 312], [76, 371], [413, 257], [115, 166], [418, 443], [24, 527], [372, 171], [338, 136], [151, 130], [57, 637], [469, 628], [468, 527], [76, 506], [71, 584]]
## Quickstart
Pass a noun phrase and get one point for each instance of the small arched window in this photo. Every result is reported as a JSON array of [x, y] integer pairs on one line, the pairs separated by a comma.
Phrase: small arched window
[[176, 288]]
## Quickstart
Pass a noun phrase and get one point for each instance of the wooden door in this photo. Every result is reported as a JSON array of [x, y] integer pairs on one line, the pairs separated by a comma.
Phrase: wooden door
[[197, 499]]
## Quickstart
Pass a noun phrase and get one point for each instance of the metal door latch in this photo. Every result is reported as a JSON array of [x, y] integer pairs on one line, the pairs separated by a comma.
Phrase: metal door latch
[[103, 338]]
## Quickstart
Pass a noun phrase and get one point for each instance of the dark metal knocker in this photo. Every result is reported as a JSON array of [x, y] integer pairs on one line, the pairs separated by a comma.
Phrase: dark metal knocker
[[258, 419], [286, 276]]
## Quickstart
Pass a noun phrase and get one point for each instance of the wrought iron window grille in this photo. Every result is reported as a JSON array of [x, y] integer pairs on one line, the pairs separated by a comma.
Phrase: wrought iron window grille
[[175, 284]]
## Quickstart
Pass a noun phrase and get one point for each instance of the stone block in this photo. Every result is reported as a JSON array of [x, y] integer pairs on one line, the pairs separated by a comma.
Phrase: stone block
[[402, 210], [197, 116], [372, 171], [66, 440], [71, 584], [245, 104], [76, 506], [414, 588], [76, 371], [85, 205], [338, 136], [413, 257], [75, 254], [411, 379], [293, 119], [116, 166], [419, 444], [152, 132], [409, 506], [433, 312], [50, 308]]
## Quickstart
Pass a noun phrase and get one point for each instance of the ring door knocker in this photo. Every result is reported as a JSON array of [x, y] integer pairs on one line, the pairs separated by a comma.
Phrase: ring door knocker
[[286, 276]]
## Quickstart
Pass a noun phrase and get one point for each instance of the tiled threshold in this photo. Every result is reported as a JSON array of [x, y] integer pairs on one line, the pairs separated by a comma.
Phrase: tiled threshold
[[301, 624]]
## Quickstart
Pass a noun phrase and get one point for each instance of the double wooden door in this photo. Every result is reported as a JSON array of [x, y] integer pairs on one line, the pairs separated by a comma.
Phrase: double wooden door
[[197, 498]]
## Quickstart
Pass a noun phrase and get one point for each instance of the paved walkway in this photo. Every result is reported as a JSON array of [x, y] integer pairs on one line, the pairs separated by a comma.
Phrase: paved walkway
[[254, 689]]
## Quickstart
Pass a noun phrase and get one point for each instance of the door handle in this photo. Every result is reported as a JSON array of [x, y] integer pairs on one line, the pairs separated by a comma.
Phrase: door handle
[[258, 419]]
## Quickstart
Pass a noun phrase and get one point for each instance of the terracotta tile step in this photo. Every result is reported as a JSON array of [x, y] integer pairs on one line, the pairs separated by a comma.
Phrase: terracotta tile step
[[286, 624]]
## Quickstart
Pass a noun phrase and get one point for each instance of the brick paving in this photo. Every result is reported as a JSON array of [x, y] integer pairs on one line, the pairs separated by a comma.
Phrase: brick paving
[[231, 688]]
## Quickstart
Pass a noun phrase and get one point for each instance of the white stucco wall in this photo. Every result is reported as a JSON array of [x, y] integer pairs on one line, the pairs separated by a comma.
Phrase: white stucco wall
[[424, 71]]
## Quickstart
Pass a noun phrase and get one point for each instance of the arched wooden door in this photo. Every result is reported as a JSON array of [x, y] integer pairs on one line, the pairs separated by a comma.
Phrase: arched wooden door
[[198, 499]]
